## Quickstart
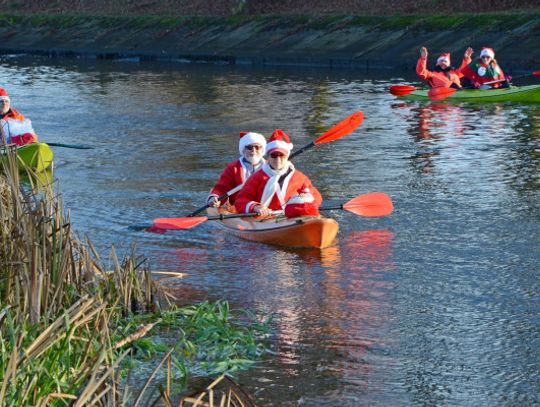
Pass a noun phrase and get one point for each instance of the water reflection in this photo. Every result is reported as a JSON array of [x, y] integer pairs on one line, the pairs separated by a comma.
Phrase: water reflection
[[416, 308]]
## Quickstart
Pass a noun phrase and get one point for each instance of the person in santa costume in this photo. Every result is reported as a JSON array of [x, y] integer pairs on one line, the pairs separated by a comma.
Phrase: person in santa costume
[[444, 75], [251, 146], [16, 129], [485, 69], [276, 182]]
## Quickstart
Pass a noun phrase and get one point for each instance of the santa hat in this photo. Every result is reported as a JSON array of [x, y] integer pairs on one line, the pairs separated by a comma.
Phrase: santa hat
[[487, 52], [304, 196], [3, 94], [248, 137], [445, 56], [279, 140]]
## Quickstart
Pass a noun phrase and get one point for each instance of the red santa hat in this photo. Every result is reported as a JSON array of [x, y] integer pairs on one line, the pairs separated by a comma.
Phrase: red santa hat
[[280, 141], [248, 137], [487, 52], [3, 94], [444, 57], [302, 204]]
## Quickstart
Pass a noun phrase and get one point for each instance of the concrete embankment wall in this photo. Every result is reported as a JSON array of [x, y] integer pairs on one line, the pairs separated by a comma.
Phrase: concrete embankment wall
[[344, 42]]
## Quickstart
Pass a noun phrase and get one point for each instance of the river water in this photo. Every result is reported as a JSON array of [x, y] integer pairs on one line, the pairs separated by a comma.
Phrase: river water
[[437, 304]]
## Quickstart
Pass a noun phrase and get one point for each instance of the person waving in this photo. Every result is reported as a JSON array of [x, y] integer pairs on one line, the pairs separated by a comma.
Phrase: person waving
[[444, 75], [485, 69]]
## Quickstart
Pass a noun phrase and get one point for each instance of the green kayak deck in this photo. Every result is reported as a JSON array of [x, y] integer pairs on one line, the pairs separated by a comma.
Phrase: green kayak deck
[[36, 156], [527, 94]]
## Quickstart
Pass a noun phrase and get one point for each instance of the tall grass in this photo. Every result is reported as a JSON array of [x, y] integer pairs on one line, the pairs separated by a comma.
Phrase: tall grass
[[67, 324]]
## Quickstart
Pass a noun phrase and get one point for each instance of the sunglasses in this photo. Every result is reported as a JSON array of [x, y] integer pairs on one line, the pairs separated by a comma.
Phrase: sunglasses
[[276, 155], [486, 57], [254, 147]]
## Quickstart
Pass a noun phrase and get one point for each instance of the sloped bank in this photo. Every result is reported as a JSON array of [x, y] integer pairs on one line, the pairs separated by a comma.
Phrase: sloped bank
[[327, 41]]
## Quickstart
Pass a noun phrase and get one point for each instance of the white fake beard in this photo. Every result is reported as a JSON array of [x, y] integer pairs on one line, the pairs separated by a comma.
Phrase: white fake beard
[[253, 160]]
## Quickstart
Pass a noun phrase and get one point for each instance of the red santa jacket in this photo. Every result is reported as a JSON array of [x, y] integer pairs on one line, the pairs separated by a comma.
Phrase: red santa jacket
[[479, 72], [233, 175], [254, 188], [17, 128], [439, 79]]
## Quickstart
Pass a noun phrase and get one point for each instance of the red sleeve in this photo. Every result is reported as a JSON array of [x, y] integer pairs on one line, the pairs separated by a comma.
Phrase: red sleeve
[[250, 193], [227, 180], [464, 63], [468, 73], [421, 69]]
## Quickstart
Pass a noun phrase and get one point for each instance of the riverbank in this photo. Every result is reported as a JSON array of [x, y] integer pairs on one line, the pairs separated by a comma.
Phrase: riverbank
[[355, 42]]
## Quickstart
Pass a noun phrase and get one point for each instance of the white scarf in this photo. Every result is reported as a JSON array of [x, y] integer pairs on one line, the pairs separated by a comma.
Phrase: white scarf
[[248, 169], [272, 186]]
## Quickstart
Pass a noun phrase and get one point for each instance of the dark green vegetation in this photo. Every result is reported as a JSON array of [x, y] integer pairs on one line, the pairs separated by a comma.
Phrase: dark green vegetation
[[259, 7], [499, 21], [71, 328]]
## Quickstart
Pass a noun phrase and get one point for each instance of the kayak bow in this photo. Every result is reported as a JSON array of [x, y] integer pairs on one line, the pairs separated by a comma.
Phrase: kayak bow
[[35, 156], [303, 232]]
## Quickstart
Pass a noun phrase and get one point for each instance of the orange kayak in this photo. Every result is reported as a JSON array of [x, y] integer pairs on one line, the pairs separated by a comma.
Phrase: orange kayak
[[302, 232]]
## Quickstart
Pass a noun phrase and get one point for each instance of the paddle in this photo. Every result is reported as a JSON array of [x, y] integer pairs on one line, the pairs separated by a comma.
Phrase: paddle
[[535, 73], [400, 90], [75, 146], [440, 93], [370, 204], [336, 132]]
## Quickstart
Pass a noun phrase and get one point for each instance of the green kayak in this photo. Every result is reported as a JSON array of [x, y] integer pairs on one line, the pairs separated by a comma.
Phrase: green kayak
[[530, 94], [36, 156]]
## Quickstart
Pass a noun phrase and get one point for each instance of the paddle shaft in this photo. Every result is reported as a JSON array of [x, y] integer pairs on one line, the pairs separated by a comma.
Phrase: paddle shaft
[[536, 73], [239, 187], [75, 146]]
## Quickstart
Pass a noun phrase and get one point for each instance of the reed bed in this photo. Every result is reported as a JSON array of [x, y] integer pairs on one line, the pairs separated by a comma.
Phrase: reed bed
[[69, 327]]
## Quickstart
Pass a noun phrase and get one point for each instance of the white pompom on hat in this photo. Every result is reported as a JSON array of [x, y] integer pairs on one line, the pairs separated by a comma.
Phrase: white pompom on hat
[[247, 138], [445, 56], [487, 52], [279, 140]]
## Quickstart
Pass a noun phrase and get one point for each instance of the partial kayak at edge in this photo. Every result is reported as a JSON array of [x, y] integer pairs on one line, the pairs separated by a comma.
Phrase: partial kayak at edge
[[525, 94], [38, 157]]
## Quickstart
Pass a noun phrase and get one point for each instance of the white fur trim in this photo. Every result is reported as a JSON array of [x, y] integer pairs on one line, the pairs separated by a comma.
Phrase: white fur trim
[[18, 127], [487, 52], [251, 138], [250, 205], [4, 98], [282, 145], [440, 59], [300, 199]]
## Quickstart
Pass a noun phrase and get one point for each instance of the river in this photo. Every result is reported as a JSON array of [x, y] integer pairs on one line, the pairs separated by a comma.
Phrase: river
[[437, 304]]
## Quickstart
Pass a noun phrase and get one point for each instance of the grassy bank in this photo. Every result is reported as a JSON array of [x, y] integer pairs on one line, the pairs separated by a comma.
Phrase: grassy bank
[[487, 20], [70, 328]]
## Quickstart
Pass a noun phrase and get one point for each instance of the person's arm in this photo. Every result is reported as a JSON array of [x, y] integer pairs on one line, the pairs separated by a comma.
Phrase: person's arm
[[465, 61], [421, 65], [225, 183], [247, 199]]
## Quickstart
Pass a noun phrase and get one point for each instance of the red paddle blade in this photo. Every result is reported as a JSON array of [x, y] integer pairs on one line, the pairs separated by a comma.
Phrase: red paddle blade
[[440, 93], [341, 129], [536, 73], [400, 90], [177, 223], [371, 204]]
